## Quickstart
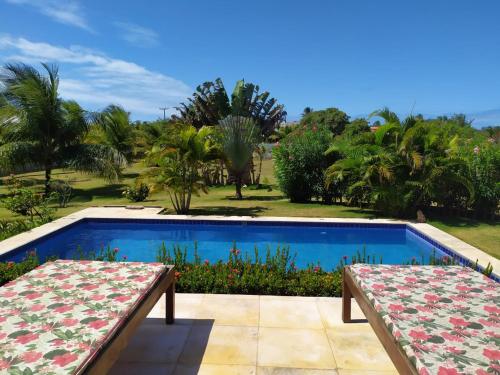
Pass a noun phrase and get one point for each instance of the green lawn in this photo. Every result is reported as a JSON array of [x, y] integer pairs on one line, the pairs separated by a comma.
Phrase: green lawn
[[88, 191]]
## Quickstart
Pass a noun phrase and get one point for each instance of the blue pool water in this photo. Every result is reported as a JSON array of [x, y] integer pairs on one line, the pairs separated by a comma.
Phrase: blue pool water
[[140, 240]]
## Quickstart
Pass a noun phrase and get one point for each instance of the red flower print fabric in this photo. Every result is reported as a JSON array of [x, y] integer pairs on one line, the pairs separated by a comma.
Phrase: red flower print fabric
[[446, 318], [53, 319]]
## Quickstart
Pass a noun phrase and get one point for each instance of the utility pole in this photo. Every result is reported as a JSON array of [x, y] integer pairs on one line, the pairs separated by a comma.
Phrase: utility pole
[[164, 109]]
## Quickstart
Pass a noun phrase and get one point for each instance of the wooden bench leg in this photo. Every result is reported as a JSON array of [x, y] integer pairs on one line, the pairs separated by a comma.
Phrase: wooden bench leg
[[170, 304], [346, 300]]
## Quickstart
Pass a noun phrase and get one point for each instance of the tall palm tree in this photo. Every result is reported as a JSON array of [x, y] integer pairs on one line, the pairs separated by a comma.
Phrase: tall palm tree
[[210, 103], [43, 130], [239, 138], [178, 163]]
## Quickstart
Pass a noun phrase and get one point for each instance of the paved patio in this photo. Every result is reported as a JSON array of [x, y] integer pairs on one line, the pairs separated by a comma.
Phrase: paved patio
[[264, 335]]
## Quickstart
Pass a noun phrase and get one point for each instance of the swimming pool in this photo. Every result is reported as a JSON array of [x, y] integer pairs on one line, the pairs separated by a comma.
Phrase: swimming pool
[[312, 242]]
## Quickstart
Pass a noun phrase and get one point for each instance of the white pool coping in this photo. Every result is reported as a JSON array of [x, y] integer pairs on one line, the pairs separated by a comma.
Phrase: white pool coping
[[121, 212]]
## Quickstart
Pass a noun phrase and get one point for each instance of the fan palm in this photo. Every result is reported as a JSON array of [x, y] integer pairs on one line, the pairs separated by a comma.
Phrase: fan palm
[[211, 103], [42, 130], [239, 138]]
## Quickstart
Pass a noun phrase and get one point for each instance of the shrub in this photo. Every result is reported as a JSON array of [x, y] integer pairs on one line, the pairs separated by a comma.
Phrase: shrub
[[243, 274], [26, 202], [300, 162], [11, 228], [484, 161], [276, 275], [332, 119], [62, 191], [105, 253], [137, 194], [11, 270]]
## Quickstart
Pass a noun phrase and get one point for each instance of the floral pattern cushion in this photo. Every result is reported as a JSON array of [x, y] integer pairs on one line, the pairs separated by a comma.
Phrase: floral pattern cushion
[[446, 319], [54, 319]]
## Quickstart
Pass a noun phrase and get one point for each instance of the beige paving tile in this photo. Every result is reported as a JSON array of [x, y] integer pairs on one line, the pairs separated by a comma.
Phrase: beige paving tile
[[366, 372], [234, 311], [206, 369], [158, 310], [141, 368], [230, 297], [356, 347], [157, 342], [293, 371], [225, 345], [289, 313], [187, 306], [330, 310], [293, 347]]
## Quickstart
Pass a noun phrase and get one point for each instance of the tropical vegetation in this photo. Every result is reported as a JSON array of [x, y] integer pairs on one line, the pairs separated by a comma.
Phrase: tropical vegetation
[[176, 164], [40, 130], [239, 138], [400, 166], [326, 164], [210, 104]]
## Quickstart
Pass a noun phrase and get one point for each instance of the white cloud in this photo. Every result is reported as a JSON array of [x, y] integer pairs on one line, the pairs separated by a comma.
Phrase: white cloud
[[68, 12], [96, 80], [137, 35]]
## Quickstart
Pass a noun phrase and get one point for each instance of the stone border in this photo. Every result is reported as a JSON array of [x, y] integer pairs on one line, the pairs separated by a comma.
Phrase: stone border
[[444, 239]]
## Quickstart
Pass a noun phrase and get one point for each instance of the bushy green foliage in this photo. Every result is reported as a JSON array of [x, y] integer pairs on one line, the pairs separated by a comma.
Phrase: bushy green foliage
[[177, 164], [26, 202], [11, 228], [276, 274], [137, 193], [412, 164], [332, 119], [62, 192], [484, 172], [12, 270], [300, 162]]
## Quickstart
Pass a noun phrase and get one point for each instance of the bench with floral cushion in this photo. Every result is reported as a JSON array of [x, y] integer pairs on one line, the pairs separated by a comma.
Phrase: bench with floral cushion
[[430, 319], [73, 317]]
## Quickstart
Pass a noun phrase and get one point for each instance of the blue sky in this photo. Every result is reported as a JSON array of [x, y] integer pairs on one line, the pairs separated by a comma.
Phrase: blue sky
[[437, 57]]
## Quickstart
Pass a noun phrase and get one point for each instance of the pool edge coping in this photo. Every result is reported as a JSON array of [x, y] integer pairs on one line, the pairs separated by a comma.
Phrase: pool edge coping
[[445, 240]]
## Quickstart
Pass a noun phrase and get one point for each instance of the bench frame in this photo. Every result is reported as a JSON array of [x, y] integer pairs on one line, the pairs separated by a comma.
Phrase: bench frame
[[110, 352], [350, 288]]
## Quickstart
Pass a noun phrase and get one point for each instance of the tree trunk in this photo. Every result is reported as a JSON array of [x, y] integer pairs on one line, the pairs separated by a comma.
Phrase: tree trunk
[[48, 173], [238, 184], [260, 170]]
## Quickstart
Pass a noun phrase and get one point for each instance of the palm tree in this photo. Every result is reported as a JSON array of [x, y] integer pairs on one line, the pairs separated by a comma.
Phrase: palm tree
[[42, 130], [239, 138], [210, 104], [393, 128], [403, 166], [112, 127], [178, 164]]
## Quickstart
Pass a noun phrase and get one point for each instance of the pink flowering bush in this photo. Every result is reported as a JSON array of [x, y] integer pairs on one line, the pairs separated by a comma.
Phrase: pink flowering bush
[[274, 274]]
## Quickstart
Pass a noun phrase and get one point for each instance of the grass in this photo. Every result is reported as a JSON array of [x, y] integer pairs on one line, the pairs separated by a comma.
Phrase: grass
[[90, 191]]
